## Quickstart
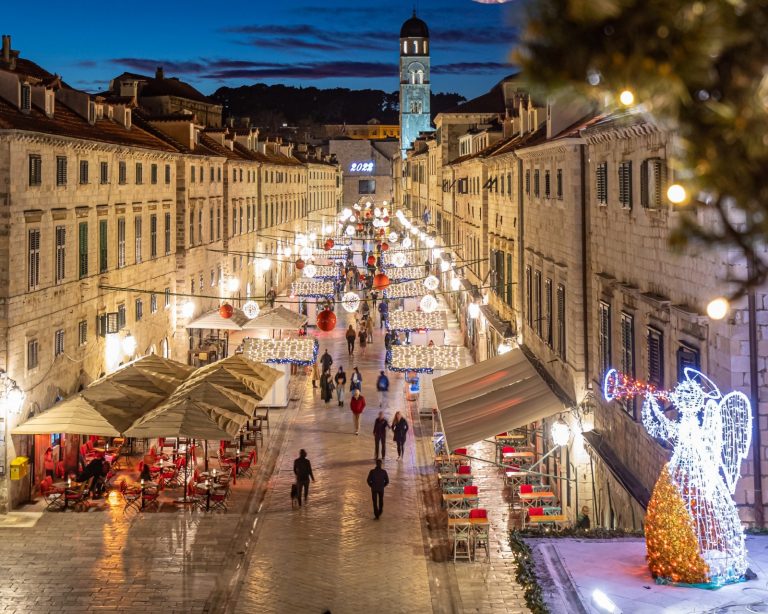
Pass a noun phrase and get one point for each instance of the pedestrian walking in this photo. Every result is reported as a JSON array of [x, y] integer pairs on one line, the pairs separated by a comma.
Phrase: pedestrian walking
[[365, 309], [380, 430], [427, 267], [302, 469], [326, 361], [271, 295], [378, 479], [363, 337], [355, 381], [383, 312], [357, 406], [326, 386], [340, 381], [315, 374], [369, 329], [387, 340], [351, 335], [374, 298], [400, 428], [382, 386]]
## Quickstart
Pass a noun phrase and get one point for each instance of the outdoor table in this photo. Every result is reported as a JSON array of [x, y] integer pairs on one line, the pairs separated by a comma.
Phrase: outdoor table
[[515, 478], [510, 437], [460, 479], [208, 487], [548, 519], [531, 498], [70, 486], [526, 457]]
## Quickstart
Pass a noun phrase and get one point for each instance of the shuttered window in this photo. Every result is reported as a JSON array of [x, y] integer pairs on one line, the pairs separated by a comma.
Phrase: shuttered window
[[61, 170], [83, 171], [152, 303], [528, 182], [652, 181], [139, 173], [561, 321], [139, 304], [687, 358], [58, 342], [604, 334], [153, 173], [103, 247], [32, 354], [121, 319], [61, 254], [536, 186], [547, 185], [167, 173], [82, 249], [167, 231], [509, 286], [153, 236], [627, 365], [103, 172], [548, 312], [560, 183], [82, 332], [137, 231], [601, 183], [120, 242], [33, 258], [539, 312], [122, 173], [655, 358], [625, 184], [35, 170], [529, 295]]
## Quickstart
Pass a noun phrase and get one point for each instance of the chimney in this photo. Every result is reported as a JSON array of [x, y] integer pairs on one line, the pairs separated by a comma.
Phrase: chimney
[[6, 48], [159, 73]]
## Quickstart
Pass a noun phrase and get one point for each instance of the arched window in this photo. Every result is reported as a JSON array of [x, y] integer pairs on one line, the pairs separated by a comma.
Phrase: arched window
[[415, 46], [420, 77], [405, 46], [426, 47]]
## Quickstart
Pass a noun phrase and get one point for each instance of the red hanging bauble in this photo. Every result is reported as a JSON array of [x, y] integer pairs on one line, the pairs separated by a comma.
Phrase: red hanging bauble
[[380, 281], [329, 244], [385, 247], [371, 260], [385, 219], [226, 311], [359, 226], [326, 320], [299, 264], [368, 215]]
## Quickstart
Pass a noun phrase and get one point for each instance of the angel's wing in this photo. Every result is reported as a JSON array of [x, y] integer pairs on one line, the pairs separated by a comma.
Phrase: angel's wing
[[733, 420]]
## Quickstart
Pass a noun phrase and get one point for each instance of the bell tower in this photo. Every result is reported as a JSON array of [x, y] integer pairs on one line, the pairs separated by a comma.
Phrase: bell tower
[[414, 81]]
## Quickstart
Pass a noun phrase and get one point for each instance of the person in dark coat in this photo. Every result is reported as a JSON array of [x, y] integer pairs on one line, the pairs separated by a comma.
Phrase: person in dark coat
[[383, 312], [356, 380], [382, 385], [378, 481], [302, 469], [326, 386], [341, 380], [380, 428], [363, 338], [400, 428], [351, 335], [326, 361]]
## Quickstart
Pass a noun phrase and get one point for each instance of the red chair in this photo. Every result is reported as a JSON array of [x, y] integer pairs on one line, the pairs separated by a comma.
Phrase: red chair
[[478, 513], [535, 511], [526, 489], [507, 451], [460, 451], [244, 467], [470, 490], [504, 434], [465, 470], [54, 497], [219, 500], [60, 469]]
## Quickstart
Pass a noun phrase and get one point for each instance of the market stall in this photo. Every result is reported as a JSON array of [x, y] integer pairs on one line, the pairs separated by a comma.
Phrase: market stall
[[280, 354], [406, 294], [423, 327]]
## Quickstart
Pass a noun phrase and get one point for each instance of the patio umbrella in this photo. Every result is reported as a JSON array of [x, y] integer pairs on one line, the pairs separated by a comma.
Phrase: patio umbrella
[[237, 378], [183, 417], [213, 321], [76, 415], [240, 401], [143, 377], [278, 318], [164, 366]]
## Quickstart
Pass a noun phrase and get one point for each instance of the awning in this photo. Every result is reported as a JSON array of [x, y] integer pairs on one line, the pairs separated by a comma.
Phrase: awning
[[76, 416], [278, 318], [496, 395], [503, 327], [213, 321]]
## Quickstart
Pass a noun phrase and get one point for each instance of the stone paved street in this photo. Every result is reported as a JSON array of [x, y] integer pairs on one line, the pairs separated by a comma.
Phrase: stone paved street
[[264, 556]]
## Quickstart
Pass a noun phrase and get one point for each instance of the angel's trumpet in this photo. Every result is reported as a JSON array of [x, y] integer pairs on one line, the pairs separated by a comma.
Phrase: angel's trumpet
[[618, 386]]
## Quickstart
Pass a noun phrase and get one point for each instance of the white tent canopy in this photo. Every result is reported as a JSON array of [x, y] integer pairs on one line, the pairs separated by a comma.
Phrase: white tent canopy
[[213, 321], [496, 395], [278, 318]]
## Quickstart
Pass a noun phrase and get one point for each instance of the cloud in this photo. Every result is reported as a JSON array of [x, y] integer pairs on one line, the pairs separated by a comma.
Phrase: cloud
[[471, 68], [308, 71]]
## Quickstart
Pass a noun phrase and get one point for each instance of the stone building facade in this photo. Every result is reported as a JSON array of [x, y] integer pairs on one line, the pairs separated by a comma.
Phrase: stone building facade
[[114, 219]]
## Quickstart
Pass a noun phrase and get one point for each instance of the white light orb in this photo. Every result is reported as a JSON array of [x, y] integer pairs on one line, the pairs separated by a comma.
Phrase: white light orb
[[14, 399], [393, 237], [188, 309], [350, 301], [414, 230], [560, 433], [313, 236], [301, 240], [627, 98], [327, 229], [431, 283], [251, 309], [356, 206], [437, 253], [265, 264], [430, 242], [368, 204], [504, 348], [129, 345], [399, 214], [407, 242], [428, 303], [350, 231], [718, 308], [287, 251], [473, 310], [305, 253], [445, 266], [346, 212], [455, 284], [398, 259], [377, 212], [310, 271], [233, 284], [676, 194], [407, 224]]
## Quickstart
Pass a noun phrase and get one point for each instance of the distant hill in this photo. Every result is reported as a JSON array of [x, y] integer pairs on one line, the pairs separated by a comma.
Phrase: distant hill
[[274, 105]]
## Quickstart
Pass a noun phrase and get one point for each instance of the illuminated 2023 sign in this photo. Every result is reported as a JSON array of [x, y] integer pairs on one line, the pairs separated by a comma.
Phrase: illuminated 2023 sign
[[361, 167]]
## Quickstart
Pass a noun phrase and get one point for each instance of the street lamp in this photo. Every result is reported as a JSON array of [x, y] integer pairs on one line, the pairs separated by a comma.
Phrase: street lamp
[[11, 402]]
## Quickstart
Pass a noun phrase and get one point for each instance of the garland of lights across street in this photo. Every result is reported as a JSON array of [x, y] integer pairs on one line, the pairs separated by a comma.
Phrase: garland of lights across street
[[425, 358], [301, 351], [693, 530], [406, 289], [417, 320], [407, 273], [323, 272], [309, 288]]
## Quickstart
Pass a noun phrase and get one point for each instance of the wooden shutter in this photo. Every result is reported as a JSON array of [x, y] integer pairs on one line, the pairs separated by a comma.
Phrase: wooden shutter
[[655, 357]]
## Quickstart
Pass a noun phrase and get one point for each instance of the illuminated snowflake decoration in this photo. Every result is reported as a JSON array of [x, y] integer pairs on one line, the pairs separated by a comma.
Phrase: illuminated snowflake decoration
[[251, 309], [399, 259], [431, 283], [393, 237], [310, 271], [711, 437], [428, 303], [350, 301]]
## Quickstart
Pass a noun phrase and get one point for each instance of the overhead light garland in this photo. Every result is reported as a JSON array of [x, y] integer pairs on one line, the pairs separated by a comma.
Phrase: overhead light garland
[[417, 320], [692, 502], [406, 273], [296, 351], [405, 289], [310, 288], [425, 358]]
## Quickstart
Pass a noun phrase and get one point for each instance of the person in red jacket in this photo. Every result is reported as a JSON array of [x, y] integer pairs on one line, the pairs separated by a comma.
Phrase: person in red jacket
[[357, 405]]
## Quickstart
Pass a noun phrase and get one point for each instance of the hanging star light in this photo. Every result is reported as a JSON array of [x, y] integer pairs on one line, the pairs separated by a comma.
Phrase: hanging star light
[[431, 283], [251, 309], [693, 530], [350, 301]]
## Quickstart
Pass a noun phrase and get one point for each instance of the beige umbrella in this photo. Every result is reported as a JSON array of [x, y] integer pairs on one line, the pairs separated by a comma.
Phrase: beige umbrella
[[219, 395], [77, 416], [238, 379], [213, 321], [241, 362], [278, 318], [183, 417], [164, 366], [136, 376]]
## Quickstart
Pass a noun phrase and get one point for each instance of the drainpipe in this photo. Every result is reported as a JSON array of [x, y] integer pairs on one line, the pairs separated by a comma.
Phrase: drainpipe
[[755, 398]]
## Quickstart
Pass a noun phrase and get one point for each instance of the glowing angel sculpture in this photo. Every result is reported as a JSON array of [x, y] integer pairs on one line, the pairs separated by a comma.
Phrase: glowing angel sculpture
[[693, 531]]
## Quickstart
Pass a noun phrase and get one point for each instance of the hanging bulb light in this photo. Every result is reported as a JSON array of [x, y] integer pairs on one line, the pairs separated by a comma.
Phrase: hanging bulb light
[[428, 303], [310, 271], [305, 253], [407, 242], [233, 284], [430, 242], [431, 283], [350, 301], [560, 432], [377, 212], [350, 231], [129, 345], [473, 310], [445, 266], [251, 309], [504, 347], [287, 251], [398, 259], [627, 98], [393, 237], [188, 309], [455, 284], [677, 194], [718, 308], [266, 263]]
